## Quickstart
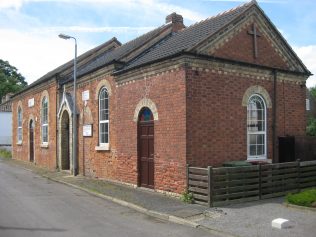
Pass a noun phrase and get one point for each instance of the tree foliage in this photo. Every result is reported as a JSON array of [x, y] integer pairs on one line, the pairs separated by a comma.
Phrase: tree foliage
[[311, 122], [10, 80], [312, 90]]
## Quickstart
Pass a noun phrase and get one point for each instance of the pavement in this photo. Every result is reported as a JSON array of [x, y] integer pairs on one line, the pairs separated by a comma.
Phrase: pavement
[[251, 219]]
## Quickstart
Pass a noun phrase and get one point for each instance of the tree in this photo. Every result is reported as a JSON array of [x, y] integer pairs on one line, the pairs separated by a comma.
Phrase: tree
[[10, 80], [312, 90], [311, 122]]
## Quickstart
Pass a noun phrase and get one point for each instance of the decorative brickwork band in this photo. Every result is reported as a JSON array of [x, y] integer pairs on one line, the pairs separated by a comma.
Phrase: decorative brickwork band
[[256, 90], [145, 102]]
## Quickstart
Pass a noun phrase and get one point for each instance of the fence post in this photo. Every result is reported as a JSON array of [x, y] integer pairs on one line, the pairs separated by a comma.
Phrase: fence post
[[210, 185], [298, 175], [260, 181], [187, 173]]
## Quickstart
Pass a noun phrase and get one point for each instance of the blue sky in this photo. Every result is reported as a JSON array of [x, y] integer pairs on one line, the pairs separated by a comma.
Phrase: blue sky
[[29, 28]]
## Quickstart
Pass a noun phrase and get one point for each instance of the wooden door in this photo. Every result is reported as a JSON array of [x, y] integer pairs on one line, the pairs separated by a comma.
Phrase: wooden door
[[146, 150], [31, 141]]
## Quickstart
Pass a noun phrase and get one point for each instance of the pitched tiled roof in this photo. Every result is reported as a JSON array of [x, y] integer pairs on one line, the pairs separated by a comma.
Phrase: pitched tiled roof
[[119, 53], [189, 37], [107, 46]]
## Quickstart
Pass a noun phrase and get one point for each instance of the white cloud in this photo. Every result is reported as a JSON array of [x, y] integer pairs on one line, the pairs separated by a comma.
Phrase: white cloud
[[146, 5], [83, 29], [36, 54], [11, 3], [307, 55]]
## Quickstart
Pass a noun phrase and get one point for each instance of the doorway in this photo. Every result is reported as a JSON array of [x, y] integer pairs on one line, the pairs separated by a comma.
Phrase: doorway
[[146, 163], [65, 151], [31, 140]]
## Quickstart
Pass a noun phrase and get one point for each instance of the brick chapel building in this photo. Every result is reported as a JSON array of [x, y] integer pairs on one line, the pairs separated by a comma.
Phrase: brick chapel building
[[220, 90]]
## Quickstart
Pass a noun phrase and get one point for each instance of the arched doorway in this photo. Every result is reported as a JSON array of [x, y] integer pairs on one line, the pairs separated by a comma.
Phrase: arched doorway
[[31, 140], [146, 163], [65, 151]]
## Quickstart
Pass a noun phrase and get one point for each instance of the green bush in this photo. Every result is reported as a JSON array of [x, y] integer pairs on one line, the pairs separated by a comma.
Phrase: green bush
[[311, 127], [5, 154], [187, 197], [305, 198]]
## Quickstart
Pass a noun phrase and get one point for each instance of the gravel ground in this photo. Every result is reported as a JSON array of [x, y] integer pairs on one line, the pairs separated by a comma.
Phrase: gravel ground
[[254, 219]]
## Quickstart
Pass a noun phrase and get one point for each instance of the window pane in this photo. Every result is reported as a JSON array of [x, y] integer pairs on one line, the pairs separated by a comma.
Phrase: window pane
[[260, 139], [19, 134], [45, 133], [260, 150], [252, 150], [253, 139]]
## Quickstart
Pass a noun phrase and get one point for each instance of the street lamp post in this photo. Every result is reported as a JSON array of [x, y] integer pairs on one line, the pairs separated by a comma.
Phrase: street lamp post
[[74, 118]]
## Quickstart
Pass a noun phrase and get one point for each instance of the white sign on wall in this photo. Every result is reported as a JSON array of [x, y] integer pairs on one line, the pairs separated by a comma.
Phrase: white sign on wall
[[31, 102], [87, 130], [85, 95]]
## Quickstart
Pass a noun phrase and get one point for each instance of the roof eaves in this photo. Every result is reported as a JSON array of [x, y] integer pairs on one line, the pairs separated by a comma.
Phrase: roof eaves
[[55, 72], [307, 72]]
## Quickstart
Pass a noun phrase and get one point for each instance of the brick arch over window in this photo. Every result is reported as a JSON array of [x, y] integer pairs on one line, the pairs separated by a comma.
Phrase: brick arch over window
[[102, 83], [44, 95], [145, 102], [257, 90]]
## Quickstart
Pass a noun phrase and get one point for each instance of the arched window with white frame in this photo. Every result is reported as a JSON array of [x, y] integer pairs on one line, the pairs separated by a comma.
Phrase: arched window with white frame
[[44, 120], [104, 118], [19, 125], [256, 127]]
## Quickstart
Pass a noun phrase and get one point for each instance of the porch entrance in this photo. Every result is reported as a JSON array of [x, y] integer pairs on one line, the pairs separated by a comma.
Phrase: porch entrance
[[31, 140], [65, 150], [146, 148]]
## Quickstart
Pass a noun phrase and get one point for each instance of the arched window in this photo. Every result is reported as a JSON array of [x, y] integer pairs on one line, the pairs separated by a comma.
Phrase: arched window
[[256, 127], [19, 125], [103, 117], [44, 120]]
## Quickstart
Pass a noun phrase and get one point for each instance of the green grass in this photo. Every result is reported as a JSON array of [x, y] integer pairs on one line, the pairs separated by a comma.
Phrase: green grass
[[5, 154], [305, 198]]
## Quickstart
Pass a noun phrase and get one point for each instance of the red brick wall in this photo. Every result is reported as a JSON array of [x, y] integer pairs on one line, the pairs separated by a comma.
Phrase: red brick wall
[[241, 48], [216, 119], [120, 163], [168, 93], [45, 157], [91, 162]]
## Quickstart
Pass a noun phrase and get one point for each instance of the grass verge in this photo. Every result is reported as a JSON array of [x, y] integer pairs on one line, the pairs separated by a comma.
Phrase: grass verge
[[306, 198], [5, 154]]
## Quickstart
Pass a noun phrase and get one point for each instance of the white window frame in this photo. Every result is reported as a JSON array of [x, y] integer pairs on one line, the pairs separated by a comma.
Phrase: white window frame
[[103, 144], [44, 121], [264, 156], [19, 135]]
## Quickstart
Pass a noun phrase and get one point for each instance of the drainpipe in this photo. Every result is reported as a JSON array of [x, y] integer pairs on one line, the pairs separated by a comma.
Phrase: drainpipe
[[274, 116]]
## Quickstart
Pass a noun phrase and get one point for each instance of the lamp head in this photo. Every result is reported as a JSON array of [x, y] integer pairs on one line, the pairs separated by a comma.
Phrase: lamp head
[[63, 36]]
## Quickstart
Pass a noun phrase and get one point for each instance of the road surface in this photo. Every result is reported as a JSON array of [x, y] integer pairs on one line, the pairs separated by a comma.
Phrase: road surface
[[32, 206]]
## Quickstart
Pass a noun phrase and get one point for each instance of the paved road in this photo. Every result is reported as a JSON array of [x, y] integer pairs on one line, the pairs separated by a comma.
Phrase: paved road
[[31, 205]]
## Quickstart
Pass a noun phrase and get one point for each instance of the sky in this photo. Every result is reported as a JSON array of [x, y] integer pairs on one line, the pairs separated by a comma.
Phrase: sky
[[29, 29]]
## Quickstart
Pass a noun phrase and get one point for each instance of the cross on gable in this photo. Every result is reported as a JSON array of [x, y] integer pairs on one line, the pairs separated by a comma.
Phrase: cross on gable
[[255, 34]]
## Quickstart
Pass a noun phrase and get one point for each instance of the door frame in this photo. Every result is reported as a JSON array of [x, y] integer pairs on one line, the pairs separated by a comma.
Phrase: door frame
[[139, 125], [61, 137]]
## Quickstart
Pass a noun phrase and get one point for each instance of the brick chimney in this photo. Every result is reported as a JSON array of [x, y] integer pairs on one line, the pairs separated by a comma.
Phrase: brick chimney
[[176, 20]]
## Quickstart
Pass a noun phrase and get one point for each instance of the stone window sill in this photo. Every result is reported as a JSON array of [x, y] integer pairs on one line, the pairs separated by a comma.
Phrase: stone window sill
[[44, 145], [19, 143], [103, 148]]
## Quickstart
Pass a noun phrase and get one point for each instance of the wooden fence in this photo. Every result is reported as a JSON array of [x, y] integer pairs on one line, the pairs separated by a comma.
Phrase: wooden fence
[[229, 185]]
